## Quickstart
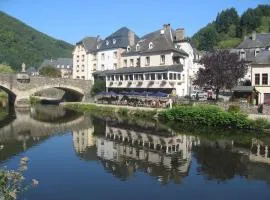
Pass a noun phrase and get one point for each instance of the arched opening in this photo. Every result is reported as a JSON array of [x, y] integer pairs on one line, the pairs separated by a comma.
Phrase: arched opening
[[11, 96]]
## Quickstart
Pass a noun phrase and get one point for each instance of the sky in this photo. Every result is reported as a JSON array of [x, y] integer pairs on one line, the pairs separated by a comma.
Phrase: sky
[[73, 20]]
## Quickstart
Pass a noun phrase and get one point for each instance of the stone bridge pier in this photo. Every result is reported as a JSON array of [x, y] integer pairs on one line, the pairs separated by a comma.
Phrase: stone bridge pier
[[20, 93]]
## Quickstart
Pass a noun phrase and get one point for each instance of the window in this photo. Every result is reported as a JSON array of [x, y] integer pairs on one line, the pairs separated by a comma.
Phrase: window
[[102, 56], [83, 77], [137, 47], [94, 66], [147, 76], [138, 64], [112, 77], [125, 63], [159, 76], [121, 77], [136, 77], [58, 66], [179, 76], [115, 54], [131, 62], [264, 79], [114, 41], [126, 77], [150, 45], [171, 76], [242, 54], [165, 76], [117, 77], [147, 61], [102, 67], [107, 42], [152, 76], [68, 66], [174, 76], [114, 65], [162, 59], [141, 77], [256, 52], [257, 79], [131, 77]]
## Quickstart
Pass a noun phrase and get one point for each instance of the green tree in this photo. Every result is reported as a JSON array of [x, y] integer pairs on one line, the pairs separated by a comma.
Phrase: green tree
[[50, 71], [226, 19], [99, 86], [4, 68], [208, 38]]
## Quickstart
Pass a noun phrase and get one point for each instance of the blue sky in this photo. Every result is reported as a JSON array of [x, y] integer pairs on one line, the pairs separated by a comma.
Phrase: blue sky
[[72, 20]]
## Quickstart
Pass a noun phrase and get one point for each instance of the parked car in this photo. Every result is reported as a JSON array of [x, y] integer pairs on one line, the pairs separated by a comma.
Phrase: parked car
[[200, 94]]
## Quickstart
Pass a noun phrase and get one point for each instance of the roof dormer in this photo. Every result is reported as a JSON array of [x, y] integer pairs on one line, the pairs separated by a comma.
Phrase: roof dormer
[[150, 45], [137, 47], [128, 48]]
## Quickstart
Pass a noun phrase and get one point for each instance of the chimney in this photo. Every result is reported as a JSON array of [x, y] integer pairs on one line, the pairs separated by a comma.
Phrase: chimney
[[253, 35], [166, 27], [131, 38], [180, 34]]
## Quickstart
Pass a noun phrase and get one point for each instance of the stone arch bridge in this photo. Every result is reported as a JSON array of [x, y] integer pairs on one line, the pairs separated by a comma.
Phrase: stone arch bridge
[[19, 93]]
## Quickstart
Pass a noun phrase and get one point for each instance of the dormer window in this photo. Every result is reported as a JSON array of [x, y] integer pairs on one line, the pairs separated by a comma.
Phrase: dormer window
[[137, 47], [128, 48], [242, 54], [107, 42], [151, 45], [256, 52], [114, 41]]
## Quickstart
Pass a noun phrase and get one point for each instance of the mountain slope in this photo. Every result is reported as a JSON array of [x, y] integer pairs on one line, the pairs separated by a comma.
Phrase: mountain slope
[[228, 30], [20, 43]]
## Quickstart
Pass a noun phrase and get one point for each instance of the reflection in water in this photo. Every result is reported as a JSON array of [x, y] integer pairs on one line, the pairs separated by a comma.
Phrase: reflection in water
[[125, 150]]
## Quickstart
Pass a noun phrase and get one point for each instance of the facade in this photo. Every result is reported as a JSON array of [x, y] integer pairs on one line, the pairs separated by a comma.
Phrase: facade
[[85, 58], [252, 46], [260, 71], [83, 139], [65, 65], [162, 60], [111, 48]]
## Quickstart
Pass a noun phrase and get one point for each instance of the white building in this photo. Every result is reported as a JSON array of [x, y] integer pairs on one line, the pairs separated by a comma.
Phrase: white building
[[111, 48], [84, 58], [260, 72], [160, 61], [82, 139]]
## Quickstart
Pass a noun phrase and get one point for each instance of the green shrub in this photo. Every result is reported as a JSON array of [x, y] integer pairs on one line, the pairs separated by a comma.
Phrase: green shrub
[[206, 115], [234, 108]]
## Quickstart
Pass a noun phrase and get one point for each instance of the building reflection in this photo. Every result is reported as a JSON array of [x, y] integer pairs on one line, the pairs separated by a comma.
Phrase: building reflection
[[83, 139], [124, 151]]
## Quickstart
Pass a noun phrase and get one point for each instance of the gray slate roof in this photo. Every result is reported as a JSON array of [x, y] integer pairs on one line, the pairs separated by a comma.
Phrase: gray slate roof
[[263, 58], [132, 70], [262, 41], [121, 39], [161, 43], [90, 43], [59, 61]]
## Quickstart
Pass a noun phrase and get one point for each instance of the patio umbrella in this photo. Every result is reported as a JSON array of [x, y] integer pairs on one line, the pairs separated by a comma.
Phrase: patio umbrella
[[134, 93], [160, 94], [145, 93]]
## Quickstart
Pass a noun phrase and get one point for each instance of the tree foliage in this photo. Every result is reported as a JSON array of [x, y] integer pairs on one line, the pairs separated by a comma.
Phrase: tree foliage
[[99, 86], [229, 28], [50, 71], [4, 68], [222, 70], [20, 43]]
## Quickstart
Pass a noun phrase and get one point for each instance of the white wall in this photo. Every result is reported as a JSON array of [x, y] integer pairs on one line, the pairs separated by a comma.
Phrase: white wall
[[109, 59]]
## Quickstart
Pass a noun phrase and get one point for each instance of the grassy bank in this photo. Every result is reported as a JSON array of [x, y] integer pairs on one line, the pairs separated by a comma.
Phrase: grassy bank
[[34, 100], [112, 112]]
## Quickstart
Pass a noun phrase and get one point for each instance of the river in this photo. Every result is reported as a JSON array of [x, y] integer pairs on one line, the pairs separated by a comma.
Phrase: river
[[74, 156]]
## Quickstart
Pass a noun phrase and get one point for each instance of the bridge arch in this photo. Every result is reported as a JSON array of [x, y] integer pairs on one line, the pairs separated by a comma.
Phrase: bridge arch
[[12, 92]]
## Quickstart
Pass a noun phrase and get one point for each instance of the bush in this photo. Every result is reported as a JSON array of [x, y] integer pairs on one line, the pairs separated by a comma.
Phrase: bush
[[234, 109], [99, 86], [207, 115]]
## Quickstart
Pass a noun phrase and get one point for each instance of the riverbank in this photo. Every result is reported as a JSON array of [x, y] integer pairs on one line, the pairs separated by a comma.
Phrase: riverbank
[[195, 116]]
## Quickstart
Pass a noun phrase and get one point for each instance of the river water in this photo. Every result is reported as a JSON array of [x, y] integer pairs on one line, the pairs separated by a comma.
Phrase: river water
[[84, 157]]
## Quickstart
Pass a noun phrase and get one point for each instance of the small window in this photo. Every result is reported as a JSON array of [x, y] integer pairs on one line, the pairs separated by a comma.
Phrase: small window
[[102, 56], [171, 76], [162, 59], [115, 54], [114, 41], [147, 76], [131, 77], [257, 79], [141, 77], [107, 42], [102, 67], [153, 77], [147, 61], [159, 76], [179, 76], [131, 62], [121, 77], [126, 77], [125, 63], [114, 65], [174, 76], [264, 79]]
